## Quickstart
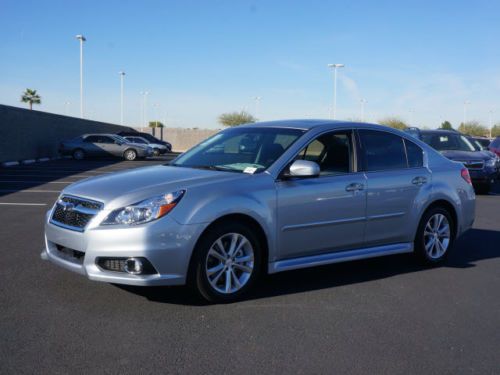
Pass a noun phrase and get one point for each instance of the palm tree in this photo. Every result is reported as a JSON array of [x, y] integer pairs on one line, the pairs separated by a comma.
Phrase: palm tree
[[30, 96]]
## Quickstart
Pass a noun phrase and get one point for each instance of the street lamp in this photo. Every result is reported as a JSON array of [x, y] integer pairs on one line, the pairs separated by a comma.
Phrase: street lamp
[[363, 102], [490, 120], [257, 102], [466, 102], [335, 67], [82, 39], [144, 107], [122, 76]]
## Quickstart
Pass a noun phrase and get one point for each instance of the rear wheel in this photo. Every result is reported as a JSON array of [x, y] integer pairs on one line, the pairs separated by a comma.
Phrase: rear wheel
[[130, 155], [78, 154], [435, 235], [226, 263]]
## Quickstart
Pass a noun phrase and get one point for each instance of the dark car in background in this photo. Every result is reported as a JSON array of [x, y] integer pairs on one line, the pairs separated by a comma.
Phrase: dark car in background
[[483, 141], [148, 137], [95, 145], [495, 146], [482, 165]]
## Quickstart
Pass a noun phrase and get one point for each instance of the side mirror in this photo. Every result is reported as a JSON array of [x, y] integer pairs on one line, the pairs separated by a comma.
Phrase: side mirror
[[303, 168]]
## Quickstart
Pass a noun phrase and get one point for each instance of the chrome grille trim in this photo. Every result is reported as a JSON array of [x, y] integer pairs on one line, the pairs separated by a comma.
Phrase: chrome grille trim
[[74, 213]]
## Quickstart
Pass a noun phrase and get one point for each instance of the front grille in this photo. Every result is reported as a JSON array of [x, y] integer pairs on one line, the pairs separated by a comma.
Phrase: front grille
[[71, 255], [472, 164], [74, 213]]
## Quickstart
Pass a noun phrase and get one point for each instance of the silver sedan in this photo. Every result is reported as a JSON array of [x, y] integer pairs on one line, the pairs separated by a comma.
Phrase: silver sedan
[[267, 197]]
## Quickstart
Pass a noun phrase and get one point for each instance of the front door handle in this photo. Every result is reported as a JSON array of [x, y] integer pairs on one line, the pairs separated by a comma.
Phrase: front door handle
[[354, 187], [419, 180]]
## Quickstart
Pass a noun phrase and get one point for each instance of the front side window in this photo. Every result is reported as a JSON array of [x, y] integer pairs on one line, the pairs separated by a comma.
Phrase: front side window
[[332, 152], [91, 139], [382, 150], [249, 150]]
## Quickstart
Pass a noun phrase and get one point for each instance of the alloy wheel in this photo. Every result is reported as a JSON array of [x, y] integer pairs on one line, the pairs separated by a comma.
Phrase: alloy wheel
[[437, 236], [229, 263]]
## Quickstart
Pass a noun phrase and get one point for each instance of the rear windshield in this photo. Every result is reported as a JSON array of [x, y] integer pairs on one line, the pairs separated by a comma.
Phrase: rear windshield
[[447, 142]]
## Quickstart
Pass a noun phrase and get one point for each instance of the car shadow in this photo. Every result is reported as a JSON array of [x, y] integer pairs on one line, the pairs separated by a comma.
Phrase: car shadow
[[473, 246]]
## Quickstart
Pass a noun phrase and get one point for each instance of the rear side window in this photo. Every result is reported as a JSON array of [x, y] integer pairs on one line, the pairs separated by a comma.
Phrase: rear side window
[[415, 155], [382, 150], [92, 139]]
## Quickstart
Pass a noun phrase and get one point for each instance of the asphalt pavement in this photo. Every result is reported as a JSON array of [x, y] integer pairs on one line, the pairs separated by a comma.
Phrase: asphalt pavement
[[378, 316]]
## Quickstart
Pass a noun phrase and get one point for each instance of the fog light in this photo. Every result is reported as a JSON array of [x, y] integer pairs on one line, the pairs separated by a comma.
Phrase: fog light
[[133, 266]]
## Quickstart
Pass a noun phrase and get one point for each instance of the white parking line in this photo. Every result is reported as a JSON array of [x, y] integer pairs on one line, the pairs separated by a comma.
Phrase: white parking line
[[46, 175], [22, 204], [28, 191], [37, 182]]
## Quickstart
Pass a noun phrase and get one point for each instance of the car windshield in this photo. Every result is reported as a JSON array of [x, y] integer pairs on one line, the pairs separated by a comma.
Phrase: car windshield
[[448, 142], [477, 146], [149, 138], [247, 150]]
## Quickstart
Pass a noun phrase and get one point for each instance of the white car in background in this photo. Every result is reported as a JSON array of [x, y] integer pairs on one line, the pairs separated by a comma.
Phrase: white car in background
[[157, 148]]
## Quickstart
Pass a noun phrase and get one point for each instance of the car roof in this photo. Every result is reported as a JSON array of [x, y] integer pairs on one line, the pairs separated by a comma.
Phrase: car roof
[[440, 131], [104, 134], [309, 124]]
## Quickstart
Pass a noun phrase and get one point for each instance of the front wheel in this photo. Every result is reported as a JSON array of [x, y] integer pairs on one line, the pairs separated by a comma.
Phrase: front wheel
[[226, 263], [130, 155], [78, 154], [435, 235]]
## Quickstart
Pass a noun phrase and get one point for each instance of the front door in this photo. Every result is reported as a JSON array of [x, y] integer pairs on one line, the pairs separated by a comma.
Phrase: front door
[[326, 213]]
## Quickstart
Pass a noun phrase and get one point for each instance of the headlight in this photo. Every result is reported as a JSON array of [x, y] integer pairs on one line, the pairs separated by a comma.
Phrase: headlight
[[145, 211], [490, 162]]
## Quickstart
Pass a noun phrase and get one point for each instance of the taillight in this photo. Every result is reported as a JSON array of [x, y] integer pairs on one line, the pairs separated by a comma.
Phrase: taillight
[[465, 175]]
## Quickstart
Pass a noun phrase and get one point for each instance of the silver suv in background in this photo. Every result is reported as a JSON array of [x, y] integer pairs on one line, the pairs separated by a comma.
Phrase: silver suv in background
[[95, 145], [157, 147], [266, 197]]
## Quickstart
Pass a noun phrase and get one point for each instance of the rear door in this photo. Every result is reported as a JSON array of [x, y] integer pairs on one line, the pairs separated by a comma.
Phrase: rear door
[[396, 176]]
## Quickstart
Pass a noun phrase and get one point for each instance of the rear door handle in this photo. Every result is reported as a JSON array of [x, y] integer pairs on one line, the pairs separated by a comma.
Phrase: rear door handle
[[354, 187], [419, 180]]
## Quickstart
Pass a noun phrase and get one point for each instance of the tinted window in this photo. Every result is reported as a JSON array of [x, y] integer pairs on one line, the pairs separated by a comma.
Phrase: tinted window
[[332, 152], [104, 139], [382, 150], [415, 154], [447, 142], [92, 139]]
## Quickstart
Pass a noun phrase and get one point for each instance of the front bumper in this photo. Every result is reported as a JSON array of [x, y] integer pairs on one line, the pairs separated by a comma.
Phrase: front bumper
[[165, 243], [483, 176]]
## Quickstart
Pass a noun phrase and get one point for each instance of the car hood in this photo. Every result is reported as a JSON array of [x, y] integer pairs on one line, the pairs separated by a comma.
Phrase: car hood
[[466, 155], [123, 188]]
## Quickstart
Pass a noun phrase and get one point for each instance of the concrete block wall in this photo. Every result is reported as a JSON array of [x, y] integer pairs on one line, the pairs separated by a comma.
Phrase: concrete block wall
[[26, 134]]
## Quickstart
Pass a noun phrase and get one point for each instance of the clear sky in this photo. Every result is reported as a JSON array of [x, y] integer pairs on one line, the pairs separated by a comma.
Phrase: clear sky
[[419, 60]]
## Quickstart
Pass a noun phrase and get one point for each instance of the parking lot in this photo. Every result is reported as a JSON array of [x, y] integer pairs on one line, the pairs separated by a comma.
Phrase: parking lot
[[374, 316]]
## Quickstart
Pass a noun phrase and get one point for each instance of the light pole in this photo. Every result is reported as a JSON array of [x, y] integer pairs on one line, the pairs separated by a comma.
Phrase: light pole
[[363, 102], [490, 120], [466, 102], [257, 102], [335, 67], [82, 39], [144, 107], [122, 76]]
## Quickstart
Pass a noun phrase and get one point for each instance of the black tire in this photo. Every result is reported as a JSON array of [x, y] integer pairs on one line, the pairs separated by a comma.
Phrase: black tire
[[156, 152], [420, 249], [78, 154], [130, 154], [198, 278], [484, 188]]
